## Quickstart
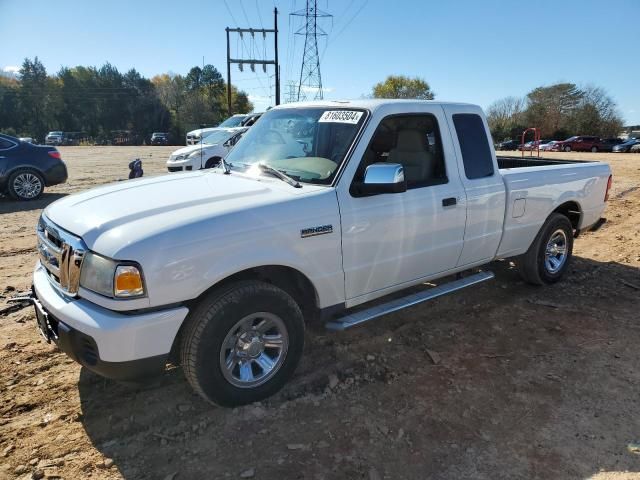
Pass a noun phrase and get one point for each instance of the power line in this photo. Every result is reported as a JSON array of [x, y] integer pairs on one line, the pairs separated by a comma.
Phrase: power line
[[259, 15], [244, 12]]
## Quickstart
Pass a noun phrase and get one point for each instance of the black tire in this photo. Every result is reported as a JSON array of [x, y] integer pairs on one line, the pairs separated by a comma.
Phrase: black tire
[[567, 148], [16, 185], [594, 149], [533, 266], [215, 318], [212, 162]]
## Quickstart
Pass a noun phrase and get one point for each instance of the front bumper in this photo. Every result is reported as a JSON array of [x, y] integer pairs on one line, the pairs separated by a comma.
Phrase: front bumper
[[181, 165], [123, 347]]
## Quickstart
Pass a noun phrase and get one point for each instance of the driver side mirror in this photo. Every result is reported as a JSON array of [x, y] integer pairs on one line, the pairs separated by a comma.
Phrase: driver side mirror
[[383, 178]]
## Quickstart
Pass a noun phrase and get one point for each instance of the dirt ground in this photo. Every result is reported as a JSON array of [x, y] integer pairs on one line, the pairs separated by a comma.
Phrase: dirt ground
[[501, 381]]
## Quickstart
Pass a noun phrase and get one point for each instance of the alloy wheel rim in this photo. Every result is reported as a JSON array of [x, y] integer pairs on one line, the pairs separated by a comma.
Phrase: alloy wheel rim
[[556, 251], [27, 185], [254, 350]]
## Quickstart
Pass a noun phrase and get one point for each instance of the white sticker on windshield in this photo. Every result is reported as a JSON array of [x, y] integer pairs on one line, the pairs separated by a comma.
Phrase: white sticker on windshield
[[341, 116]]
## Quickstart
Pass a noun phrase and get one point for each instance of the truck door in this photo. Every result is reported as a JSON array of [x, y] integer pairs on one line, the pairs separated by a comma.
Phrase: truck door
[[483, 184], [392, 240]]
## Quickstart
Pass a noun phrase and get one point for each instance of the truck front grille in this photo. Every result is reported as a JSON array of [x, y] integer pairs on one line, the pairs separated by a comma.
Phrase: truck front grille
[[61, 254]]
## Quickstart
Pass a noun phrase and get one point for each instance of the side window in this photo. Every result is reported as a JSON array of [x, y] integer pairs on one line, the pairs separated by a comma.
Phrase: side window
[[474, 145], [5, 144], [412, 141]]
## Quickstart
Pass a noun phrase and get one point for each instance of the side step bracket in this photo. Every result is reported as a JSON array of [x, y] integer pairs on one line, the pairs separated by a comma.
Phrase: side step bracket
[[376, 311]]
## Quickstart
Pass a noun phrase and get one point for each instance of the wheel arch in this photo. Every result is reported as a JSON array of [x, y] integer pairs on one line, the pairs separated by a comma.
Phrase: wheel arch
[[570, 209], [289, 279], [211, 160]]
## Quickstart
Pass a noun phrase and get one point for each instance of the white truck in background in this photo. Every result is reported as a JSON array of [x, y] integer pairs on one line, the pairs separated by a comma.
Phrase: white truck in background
[[321, 207]]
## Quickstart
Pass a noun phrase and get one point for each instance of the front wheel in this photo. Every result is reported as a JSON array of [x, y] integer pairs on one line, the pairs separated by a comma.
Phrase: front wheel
[[241, 344], [549, 255], [567, 148]]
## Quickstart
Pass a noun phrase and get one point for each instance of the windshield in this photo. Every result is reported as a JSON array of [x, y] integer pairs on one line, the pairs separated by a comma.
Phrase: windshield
[[55, 133], [308, 144], [571, 139], [231, 122], [219, 136]]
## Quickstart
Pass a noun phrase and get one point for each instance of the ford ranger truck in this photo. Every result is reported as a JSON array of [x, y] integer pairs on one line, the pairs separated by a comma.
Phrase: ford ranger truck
[[320, 207]]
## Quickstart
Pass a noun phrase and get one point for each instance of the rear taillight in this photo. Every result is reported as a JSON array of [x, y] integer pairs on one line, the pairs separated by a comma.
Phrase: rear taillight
[[54, 154], [609, 182]]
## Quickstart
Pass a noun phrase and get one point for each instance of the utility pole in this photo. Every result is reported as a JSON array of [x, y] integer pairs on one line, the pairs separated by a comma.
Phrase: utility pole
[[253, 62], [310, 77]]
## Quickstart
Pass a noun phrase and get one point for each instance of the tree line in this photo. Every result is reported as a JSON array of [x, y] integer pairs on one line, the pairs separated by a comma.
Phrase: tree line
[[99, 101], [559, 110]]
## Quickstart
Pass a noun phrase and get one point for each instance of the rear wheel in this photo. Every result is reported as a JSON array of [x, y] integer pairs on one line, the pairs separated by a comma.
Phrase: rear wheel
[[594, 149], [25, 185], [567, 148], [243, 343], [549, 255]]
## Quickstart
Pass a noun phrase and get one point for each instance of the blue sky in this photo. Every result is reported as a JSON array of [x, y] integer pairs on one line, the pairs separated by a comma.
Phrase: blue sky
[[472, 51]]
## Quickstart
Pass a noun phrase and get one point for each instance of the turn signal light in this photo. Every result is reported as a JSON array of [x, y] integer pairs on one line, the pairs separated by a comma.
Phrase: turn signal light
[[128, 282]]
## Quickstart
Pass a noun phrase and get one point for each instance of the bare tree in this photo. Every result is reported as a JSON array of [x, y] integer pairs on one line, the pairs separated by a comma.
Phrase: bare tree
[[504, 115]]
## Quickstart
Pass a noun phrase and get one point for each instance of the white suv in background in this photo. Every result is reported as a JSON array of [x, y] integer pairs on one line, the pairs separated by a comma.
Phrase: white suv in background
[[214, 145]]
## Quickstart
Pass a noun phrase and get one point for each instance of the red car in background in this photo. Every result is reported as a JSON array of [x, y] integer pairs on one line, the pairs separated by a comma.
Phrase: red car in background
[[581, 143]]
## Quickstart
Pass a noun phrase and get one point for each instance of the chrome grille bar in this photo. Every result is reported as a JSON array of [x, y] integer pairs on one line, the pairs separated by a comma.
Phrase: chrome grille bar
[[61, 254]]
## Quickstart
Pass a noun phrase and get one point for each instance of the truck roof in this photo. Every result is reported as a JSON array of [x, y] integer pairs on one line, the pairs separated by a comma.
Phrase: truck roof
[[369, 104]]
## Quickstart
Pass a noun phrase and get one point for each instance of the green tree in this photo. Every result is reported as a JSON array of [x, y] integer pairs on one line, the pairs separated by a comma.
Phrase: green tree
[[550, 108], [35, 87], [399, 86]]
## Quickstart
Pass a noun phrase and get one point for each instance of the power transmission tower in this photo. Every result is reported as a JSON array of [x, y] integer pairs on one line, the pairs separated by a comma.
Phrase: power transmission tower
[[251, 61], [292, 92], [310, 77]]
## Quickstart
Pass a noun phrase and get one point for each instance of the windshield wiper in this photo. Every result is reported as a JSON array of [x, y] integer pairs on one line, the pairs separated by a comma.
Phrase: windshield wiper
[[277, 173], [225, 166]]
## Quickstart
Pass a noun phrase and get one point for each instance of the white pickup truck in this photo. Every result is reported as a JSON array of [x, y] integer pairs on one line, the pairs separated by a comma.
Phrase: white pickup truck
[[321, 207]]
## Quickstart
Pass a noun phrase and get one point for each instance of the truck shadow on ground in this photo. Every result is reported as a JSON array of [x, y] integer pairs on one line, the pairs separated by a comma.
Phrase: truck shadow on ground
[[8, 205], [527, 381]]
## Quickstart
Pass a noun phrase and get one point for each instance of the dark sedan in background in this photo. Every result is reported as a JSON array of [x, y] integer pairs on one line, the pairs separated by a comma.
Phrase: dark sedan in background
[[160, 138], [26, 169], [607, 144], [508, 145], [626, 146]]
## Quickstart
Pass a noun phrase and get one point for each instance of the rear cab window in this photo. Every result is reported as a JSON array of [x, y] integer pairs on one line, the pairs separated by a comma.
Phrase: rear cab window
[[474, 145]]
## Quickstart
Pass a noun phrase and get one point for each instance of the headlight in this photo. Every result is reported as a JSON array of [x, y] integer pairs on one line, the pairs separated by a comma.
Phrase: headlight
[[106, 277]]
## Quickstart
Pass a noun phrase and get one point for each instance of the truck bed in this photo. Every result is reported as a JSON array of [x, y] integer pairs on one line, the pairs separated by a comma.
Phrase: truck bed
[[527, 161], [535, 187]]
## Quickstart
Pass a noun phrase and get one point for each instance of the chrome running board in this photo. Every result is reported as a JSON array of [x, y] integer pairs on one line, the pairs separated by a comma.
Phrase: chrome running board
[[376, 311]]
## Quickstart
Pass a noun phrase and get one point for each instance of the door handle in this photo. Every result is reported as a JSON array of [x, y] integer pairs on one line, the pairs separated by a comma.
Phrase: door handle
[[448, 202]]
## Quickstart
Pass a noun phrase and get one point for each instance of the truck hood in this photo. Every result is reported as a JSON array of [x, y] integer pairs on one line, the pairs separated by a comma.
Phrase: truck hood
[[111, 217]]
